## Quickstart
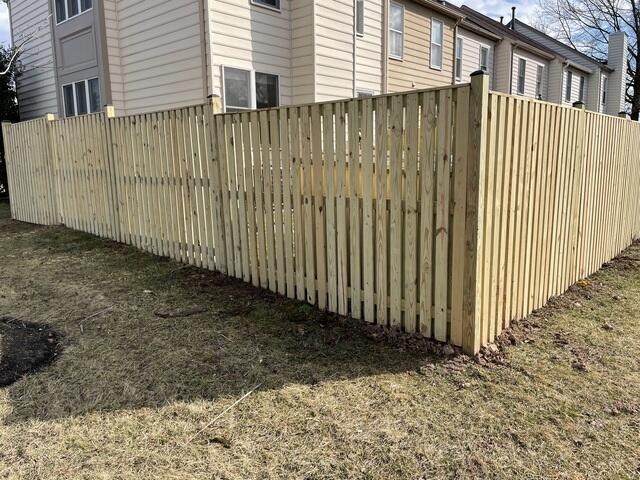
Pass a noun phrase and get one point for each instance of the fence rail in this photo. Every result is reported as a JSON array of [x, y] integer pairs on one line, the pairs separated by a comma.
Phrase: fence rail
[[447, 212]]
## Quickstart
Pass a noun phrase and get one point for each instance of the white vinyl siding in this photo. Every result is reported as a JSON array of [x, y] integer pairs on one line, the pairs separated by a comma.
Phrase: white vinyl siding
[[368, 51], [37, 85], [472, 45], [302, 52], [530, 74], [247, 36]]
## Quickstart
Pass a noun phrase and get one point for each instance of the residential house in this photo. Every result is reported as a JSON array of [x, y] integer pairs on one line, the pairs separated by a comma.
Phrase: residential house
[[600, 85], [145, 55]]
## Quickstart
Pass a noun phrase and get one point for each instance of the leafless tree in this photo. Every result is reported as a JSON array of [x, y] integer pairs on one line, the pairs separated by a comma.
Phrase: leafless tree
[[586, 25]]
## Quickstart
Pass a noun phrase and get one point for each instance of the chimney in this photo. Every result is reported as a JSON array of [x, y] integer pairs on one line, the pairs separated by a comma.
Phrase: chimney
[[617, 60], [513, 18], [501, 19]]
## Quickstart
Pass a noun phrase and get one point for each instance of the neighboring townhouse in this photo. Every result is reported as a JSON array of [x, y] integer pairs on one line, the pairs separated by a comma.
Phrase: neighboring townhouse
[[601, 86], [475, 49], [145, 55], [420, 46]]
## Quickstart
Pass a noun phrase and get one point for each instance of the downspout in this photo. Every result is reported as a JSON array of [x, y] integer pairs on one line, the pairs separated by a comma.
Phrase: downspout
[[385, 46]]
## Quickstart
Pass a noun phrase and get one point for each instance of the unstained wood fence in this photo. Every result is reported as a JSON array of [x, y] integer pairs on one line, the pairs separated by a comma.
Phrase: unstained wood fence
[[447, 212]]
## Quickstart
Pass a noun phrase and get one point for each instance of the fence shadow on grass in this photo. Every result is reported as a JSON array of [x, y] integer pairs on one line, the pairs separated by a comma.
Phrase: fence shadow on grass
[[128, 357]]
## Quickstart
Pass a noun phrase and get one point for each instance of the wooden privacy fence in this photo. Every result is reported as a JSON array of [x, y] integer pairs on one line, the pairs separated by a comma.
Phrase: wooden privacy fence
[[447, 212]]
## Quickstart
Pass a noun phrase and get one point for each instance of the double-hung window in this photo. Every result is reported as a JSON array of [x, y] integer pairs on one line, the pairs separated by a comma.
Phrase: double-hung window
[[605, 80], [66, 9], [396, 30], [567, 91], [81, 97], [459, 47], [581, 90], [539, 74], [484, 58], [436, 43], [246, 89], [360, 17], [522, 75]]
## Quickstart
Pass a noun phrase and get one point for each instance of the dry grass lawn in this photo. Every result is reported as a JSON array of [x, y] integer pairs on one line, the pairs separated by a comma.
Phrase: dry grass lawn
[[130, 390]]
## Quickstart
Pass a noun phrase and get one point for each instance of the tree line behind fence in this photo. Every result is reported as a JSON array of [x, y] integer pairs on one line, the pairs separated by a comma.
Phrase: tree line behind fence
[[447, 212]]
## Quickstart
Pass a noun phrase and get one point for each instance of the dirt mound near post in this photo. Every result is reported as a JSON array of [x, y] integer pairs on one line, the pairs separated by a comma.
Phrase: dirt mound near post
[[24, 348]]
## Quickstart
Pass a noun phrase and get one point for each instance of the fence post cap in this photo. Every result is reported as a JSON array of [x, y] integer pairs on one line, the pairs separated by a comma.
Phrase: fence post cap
[[622, 114], [579, 104], [110, 111], [479, 72], [50, 117]]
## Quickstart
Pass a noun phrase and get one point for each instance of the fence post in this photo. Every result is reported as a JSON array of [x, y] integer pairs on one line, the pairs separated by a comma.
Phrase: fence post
[[478, 111], [112, 180], [53, 160], [5, 137], [576, 210]]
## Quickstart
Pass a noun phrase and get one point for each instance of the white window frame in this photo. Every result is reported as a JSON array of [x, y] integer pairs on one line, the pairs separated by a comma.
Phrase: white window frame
[[401, 32], [355, 23], [539, 81], [431, 63], [75, 97], [458, 57], [568, 87], [483, 48], [522, 73], [66, 12], [252, 88], [259, 3]]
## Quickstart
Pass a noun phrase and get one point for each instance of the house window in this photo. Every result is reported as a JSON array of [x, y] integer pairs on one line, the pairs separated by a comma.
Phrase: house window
[[522, 72], [81, 97], [246, 89], [539, 73], [396, 31], [581, 90], [436, 43], [364, 93], [484, 59], [267, 89], [567, 90], [275, 4], [66, 9], [459, 46], [605, 81], [360, 17]]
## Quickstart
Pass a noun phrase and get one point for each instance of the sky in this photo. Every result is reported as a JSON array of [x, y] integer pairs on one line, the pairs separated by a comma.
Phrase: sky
[[492, 8]]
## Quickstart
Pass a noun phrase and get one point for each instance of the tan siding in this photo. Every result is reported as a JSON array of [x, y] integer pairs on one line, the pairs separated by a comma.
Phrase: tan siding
[[302, 52], [37, 85], [413, 71], [155, 56], [250, 37], [334, 49], [502, 64]]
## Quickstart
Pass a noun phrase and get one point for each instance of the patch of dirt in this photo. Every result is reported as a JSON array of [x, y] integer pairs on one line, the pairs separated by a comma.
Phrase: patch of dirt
[[24, 348]]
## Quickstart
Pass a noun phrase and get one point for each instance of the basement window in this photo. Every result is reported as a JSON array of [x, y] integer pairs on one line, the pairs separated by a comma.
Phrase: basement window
[[67, 9], [247, 89], [272, 4]]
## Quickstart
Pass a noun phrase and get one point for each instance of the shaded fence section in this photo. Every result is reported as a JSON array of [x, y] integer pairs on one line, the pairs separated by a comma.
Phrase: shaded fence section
[[447, 212]]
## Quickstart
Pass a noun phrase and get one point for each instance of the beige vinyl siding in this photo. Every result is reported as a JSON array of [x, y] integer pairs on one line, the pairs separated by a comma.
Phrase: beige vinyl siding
[[37, 85], [334, 49], [250, 37], [160, 51], [530, 73], [113, 54], [554, 90], [575, 86], [471, 44], [302, 52], [502, 64], [369, 49], [413, 71]]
